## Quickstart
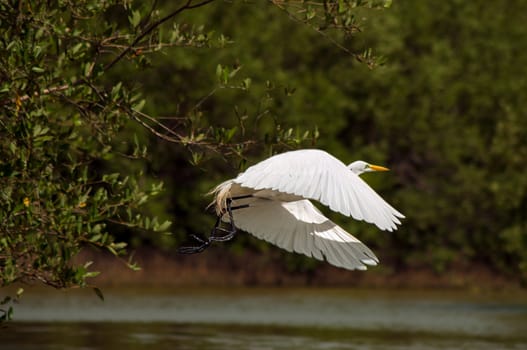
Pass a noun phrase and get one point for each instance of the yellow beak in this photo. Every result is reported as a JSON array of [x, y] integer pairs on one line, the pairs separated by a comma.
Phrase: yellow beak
[[378, 168]]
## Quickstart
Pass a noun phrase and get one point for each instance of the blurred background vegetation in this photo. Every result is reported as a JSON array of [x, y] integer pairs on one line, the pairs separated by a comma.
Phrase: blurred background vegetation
[[439, 100], [444, 112]]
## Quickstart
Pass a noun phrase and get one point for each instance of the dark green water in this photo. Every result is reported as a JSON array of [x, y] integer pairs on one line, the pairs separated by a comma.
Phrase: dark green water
[[280, 318]]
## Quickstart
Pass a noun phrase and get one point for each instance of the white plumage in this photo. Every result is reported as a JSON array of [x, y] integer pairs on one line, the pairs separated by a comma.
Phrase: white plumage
[[279, 210]]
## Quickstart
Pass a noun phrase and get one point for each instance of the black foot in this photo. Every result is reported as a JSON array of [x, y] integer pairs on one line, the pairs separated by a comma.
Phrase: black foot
[[195, 249]]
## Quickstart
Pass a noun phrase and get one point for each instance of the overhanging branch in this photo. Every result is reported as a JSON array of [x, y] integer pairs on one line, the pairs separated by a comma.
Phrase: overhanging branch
[[188, 5]]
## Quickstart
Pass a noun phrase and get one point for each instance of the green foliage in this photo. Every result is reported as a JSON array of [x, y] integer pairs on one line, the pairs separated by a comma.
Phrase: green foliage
[[58, 122]]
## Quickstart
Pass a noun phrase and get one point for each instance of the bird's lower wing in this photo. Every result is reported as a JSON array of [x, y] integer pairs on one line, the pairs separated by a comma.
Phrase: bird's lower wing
[[300, 227]]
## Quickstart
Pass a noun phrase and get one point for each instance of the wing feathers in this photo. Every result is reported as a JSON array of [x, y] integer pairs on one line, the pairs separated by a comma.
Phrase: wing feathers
[[315, 174], [300, 227]]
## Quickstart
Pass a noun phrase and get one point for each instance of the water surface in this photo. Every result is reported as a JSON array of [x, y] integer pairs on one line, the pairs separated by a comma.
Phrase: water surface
[[274, 318]]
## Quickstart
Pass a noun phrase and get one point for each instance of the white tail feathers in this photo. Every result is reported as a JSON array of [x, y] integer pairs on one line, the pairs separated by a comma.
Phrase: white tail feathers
[[221, 193]]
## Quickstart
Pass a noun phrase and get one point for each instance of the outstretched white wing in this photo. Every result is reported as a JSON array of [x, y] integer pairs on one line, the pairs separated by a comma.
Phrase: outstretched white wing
[[317, 175], [300, 227]]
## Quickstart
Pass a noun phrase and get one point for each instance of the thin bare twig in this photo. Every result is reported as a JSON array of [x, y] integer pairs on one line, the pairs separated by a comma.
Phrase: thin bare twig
[[44, 92], [154, 131]]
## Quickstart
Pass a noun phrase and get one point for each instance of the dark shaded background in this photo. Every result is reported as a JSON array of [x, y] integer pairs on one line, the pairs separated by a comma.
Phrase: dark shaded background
[[446, 113]]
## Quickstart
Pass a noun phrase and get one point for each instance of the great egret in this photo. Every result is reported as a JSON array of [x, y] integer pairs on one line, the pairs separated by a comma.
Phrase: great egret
[[271, 201]]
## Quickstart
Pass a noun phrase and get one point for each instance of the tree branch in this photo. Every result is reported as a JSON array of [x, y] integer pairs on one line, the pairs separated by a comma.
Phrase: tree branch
[[188, 5]]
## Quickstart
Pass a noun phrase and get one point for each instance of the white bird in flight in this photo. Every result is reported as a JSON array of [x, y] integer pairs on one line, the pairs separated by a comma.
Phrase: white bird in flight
[[271, 200]]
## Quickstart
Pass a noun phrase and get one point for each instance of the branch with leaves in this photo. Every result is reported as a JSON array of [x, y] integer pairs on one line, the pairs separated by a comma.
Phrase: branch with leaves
[[336, 21]]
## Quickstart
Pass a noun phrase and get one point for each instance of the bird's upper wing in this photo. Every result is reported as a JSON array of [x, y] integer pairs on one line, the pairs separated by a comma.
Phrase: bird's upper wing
[[317, 175], [300, 227]]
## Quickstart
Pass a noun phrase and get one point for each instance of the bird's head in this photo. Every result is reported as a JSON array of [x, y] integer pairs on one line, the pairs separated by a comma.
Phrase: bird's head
[[359, 167]]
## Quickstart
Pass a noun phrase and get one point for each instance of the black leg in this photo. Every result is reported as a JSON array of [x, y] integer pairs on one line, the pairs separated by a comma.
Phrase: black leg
[[229, 233], [242, 197]]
